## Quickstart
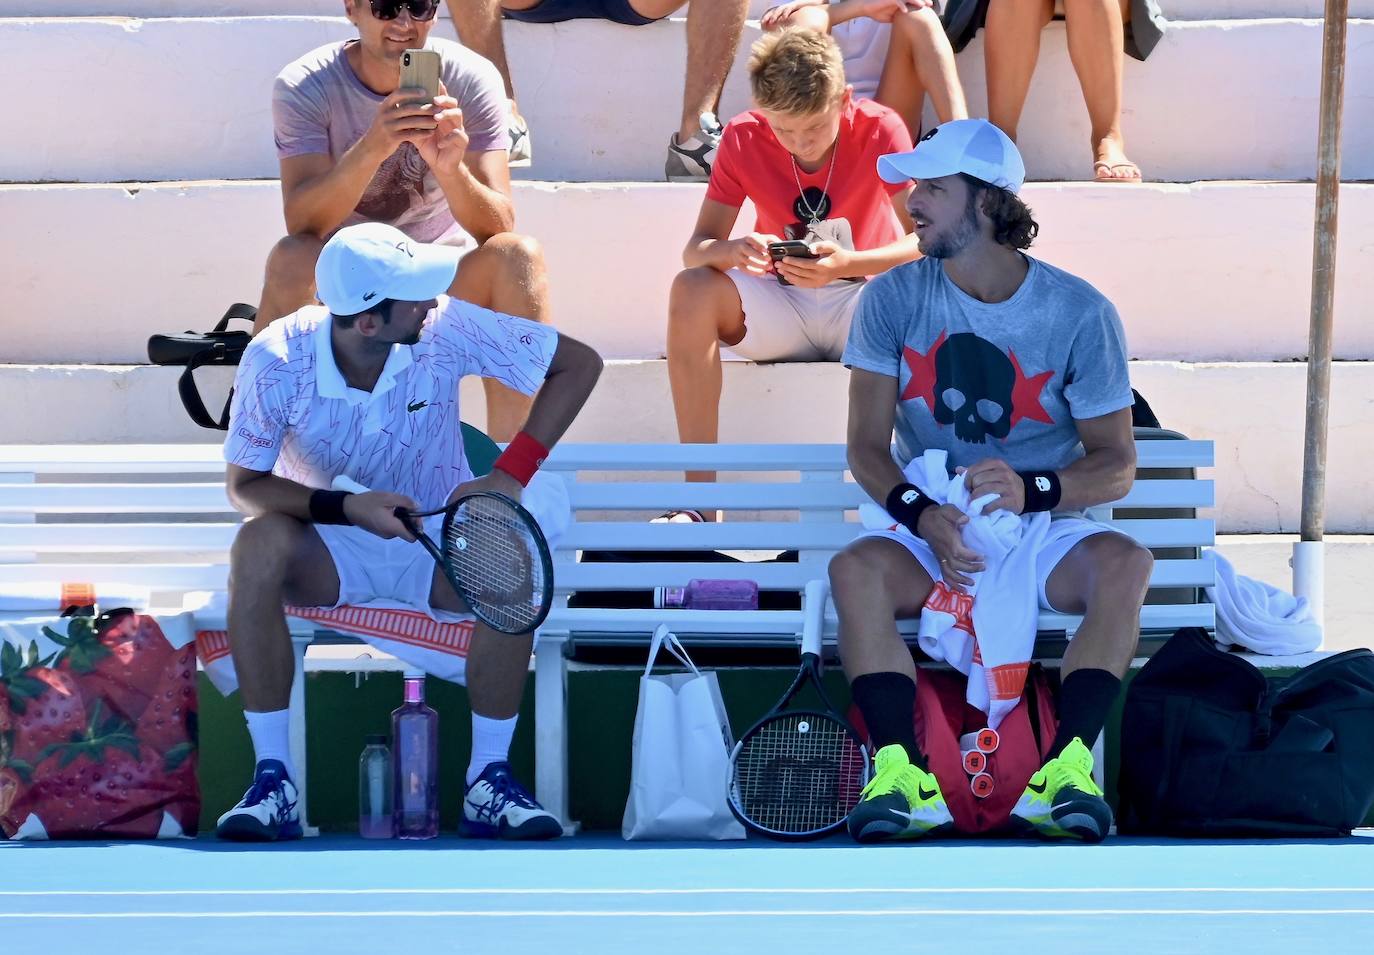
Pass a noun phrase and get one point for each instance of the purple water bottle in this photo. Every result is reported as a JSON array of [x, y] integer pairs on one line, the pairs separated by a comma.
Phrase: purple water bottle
[[415, 734], [709, 594]]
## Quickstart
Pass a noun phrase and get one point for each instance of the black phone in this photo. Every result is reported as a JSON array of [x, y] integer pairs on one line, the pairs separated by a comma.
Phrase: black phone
[[792, 247]]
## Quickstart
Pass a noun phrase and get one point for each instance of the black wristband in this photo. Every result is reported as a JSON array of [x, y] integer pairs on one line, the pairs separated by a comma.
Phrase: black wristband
[[906, 502], [327, 507], [1042, 490]]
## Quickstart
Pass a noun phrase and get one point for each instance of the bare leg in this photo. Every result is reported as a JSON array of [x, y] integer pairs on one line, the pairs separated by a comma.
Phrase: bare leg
[[506, 274], [1012, 47], [873, 583], [498, 663], [704, 309], [713, 32], [807, 18], [1095, 36], [1104, 578], [920, 61], [274, 558], [289, 281], [478, 24]]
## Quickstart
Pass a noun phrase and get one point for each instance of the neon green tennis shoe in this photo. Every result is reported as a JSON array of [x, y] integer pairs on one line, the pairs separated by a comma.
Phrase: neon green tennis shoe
[[1062, 801], [901, 801]]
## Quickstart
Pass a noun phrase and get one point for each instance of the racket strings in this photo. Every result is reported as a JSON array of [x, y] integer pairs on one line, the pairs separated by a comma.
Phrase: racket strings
[[798, 773], [490, 549]]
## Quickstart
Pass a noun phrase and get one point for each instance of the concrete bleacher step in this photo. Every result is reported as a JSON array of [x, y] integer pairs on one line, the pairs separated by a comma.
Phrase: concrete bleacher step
[[1252, 411], [1208, 271], [188, 98]]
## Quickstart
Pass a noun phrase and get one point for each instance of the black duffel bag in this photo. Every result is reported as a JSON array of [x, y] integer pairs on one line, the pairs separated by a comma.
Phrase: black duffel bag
[[1211, 747], [219, 346]]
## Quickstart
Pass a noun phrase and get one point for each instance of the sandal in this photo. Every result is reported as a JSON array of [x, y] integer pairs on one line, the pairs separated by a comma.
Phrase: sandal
[[1104, 171]]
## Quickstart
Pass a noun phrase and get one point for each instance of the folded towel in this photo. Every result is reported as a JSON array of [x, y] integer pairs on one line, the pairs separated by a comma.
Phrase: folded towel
[[1259, 617]]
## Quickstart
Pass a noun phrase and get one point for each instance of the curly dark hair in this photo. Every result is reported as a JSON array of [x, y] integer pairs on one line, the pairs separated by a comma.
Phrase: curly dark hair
[[1013, 223]]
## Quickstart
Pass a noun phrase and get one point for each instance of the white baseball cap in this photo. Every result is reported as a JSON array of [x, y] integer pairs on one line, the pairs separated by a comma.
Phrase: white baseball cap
[[367, 263], [973, 146]]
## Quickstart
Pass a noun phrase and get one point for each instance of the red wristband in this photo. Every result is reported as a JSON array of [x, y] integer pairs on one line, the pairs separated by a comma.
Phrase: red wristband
[[522, 458]]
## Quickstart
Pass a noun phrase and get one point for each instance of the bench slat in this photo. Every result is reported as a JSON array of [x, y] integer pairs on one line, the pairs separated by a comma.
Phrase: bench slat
[[591, 535], [210, 498]]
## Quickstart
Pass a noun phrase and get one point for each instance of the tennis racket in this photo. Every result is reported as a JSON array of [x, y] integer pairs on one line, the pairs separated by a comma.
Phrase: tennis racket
[[493, 554], [796, 774]]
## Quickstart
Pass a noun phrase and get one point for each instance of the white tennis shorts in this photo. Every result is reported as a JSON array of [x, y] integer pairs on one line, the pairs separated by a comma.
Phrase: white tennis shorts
[[1064, 534], [373, 570], [786, 323]]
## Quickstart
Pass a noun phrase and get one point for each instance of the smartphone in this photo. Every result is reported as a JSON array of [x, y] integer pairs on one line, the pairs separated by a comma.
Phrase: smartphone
[[794, 247], [420, 70]]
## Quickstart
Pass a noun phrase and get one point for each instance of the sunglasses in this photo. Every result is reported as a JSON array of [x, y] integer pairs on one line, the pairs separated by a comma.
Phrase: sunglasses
[[421, 10]]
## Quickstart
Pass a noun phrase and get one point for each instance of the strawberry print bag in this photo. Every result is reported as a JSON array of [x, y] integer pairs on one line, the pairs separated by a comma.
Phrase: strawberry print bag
[[97, 729]]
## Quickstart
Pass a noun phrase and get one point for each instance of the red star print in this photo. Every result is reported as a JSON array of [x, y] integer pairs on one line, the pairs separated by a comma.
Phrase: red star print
[[1025, 394], [922, 367]]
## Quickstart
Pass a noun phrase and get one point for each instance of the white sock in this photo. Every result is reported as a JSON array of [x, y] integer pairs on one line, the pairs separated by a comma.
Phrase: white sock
[[490, 743], [271, 734]]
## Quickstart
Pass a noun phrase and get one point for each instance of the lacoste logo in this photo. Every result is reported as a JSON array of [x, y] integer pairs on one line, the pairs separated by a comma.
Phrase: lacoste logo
[[369, 296], [416, 405]]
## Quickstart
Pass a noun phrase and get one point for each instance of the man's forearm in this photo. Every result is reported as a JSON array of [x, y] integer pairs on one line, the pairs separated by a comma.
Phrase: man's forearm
[[879, 260], [1099, 477], [270, 494], [707, 252], [320, 205], [481, 210], [842, 11], [875, 471]]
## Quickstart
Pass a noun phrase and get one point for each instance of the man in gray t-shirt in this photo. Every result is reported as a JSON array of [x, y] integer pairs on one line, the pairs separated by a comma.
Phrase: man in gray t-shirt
[[1018, 371], [354, 147]]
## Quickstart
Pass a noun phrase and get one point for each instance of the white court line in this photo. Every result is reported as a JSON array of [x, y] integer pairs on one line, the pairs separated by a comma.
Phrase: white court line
[[753, 890], [707, 913]]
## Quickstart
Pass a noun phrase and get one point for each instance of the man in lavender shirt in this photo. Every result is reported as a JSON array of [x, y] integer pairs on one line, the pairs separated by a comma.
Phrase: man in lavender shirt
[[356, 148]]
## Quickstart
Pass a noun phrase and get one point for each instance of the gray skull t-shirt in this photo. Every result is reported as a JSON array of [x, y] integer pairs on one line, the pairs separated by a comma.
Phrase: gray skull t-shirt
[[1003, 380]]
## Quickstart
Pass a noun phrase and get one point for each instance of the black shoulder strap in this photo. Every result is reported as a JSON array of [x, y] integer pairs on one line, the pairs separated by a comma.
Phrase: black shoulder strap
[[190, 394]]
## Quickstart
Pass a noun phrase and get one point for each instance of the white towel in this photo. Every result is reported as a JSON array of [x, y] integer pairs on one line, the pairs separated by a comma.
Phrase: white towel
[[1260, 618], [988, 633]]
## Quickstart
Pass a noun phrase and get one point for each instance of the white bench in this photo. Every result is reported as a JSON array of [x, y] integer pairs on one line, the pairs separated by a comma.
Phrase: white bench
[[157, 516]]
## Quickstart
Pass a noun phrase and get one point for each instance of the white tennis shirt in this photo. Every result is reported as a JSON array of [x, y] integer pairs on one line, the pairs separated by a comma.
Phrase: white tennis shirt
[[294, 415]]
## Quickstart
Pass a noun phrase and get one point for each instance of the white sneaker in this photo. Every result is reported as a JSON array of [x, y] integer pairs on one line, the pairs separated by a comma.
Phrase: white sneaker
[[691, 161], [496, 806], [267, 812]]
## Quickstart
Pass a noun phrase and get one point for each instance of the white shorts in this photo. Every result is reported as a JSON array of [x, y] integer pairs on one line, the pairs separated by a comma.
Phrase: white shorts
[[376, 571], [1064, 534], [786, 323]]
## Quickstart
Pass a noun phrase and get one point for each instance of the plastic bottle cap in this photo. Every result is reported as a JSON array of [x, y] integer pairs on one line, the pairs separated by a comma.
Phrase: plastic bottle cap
[[377, 739], [988, 740], [982, 785], [974, 762]]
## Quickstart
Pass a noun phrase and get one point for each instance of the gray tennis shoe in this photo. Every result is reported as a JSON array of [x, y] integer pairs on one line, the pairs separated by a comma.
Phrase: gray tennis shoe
[[690, 161]]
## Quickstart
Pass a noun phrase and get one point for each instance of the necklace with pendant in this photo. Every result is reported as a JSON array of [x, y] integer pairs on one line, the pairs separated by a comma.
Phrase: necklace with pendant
[[814, 215]]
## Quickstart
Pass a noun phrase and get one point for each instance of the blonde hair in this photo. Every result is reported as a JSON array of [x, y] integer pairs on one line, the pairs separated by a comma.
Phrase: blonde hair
[[796, 71]]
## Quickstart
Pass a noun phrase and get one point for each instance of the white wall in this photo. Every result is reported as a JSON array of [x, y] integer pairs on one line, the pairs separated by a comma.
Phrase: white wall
[[1202, 272], [188, 99]]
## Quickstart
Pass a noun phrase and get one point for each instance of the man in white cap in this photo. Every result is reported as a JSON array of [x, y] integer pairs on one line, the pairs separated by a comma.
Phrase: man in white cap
[[1017, 370], [367, 386]]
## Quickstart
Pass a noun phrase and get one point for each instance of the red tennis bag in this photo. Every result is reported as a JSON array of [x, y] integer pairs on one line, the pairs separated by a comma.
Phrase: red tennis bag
[[1023, 740]]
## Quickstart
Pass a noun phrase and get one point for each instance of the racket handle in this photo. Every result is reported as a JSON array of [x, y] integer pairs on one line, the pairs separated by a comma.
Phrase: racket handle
[[343, 482]]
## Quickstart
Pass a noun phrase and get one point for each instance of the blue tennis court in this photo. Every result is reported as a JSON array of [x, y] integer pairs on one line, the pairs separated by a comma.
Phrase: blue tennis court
[[595, 893]]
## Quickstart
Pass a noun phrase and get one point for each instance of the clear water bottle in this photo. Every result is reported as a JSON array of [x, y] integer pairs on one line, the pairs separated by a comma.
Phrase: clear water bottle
[[709, 595], [415, 734], [375, 817]]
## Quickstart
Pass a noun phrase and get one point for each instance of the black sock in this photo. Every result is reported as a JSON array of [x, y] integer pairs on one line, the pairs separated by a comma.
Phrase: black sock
[[888, 703], [1085, 698]]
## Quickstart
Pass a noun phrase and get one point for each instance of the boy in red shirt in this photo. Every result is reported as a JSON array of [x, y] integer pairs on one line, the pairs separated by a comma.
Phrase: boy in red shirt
[[806, 157]]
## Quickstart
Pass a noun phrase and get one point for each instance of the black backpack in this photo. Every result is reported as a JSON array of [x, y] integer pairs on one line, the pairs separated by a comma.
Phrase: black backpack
[[1211, 747]]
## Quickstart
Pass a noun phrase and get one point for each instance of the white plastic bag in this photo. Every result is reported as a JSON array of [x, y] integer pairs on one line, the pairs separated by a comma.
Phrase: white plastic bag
[[680, 769]]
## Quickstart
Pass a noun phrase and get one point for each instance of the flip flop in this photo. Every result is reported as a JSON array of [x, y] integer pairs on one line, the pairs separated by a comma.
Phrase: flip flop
[[1102, 171]]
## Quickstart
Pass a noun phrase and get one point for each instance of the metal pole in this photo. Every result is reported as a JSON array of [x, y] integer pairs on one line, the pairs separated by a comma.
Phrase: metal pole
[[1307, 557]]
